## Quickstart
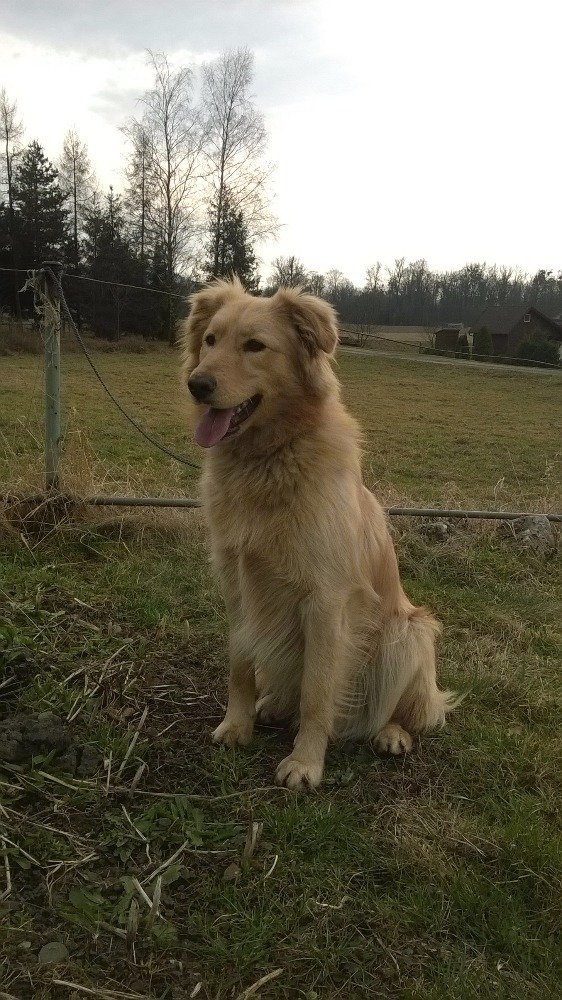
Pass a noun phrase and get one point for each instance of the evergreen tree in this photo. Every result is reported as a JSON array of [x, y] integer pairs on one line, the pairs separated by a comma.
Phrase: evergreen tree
[[76, 181], [463, 349], [140, 192], [11, 131], [40, 216], [232, 252], [482, 344], [111, 257], [539, 349]]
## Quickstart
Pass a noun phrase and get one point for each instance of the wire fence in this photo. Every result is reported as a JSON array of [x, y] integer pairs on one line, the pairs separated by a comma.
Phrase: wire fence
[[425, 351], [364, 338], [50, 302]]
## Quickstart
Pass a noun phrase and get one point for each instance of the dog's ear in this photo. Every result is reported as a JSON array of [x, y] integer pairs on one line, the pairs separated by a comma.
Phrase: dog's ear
[[204, 305], [314, 320]]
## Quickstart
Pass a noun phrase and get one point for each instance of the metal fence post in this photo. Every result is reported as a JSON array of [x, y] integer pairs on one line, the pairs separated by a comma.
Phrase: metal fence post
[[51, 328]]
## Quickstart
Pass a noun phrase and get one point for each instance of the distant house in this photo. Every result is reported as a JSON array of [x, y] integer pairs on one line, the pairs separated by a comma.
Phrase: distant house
[[446, 338], [510, 325]]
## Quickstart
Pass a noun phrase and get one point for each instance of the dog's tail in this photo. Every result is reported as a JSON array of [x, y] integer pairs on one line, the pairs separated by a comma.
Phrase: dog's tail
[[403, 683]]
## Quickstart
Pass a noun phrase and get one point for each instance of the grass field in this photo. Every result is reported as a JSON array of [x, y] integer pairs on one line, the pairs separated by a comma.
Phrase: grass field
[[433, 433], [434, 877]]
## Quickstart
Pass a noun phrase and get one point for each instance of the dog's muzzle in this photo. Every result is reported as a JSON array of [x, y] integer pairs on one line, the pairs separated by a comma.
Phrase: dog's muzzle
[[202, 387]]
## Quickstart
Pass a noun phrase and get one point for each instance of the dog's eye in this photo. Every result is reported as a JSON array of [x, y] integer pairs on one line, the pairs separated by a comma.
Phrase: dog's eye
[[254, 345], [209, 339]]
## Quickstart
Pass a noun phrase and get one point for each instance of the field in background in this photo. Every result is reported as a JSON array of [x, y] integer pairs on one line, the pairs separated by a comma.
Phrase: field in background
[[406, 339], [433, 434], [433, 878]]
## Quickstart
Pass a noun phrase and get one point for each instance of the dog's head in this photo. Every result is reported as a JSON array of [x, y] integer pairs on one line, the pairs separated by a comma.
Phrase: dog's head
[[252, 362]]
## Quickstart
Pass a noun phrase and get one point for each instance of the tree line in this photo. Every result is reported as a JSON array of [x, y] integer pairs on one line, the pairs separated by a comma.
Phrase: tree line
[[412, 294], [195, 203]]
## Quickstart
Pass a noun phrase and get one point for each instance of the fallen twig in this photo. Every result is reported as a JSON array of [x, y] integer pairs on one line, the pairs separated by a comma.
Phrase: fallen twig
[[22, 818], [155, 908], [96, 992], [166, 864], [144, 895], [257, 985], [253, 837], [109, 760], [132, 924], [8, 888], [132, 744], [272, 869], [135, 828], [137, 777], [124, 790], [6, 840]]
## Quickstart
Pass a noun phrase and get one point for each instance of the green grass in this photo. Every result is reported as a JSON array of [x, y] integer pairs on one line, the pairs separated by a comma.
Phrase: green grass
[[432, 877], [433, 433]]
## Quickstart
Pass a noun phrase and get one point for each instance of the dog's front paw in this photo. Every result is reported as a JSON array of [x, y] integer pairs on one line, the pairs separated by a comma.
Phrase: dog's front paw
[[234, 732], [299, 774], [393, 739]]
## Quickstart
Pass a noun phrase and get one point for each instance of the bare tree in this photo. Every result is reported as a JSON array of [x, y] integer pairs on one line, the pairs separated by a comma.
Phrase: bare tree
[[335, 281], [12, 134], [395, 283], [316, 283], [76, 178], [374, 280], [172, 126], [235, 141], [288, 272]]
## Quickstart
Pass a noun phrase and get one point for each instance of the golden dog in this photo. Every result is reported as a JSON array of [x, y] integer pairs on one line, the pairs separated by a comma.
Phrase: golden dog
[[321, 630]]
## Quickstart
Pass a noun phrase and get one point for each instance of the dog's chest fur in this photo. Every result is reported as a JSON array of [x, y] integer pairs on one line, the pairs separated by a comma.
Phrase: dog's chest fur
[[266, 507]]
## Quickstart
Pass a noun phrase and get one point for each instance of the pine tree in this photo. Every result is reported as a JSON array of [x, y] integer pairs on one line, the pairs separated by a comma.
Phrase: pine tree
[[111, 255], [11, 131], [109, 258], [76, 181], [40, 216], [230, 249], [482, 344], [140, 191]]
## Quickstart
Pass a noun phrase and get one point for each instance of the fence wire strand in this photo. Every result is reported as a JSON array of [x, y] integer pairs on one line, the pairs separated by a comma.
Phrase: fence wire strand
[[123, 284], [148, 437]]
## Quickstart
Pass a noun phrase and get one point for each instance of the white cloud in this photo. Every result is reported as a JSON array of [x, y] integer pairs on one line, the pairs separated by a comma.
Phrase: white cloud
[[399, 128]]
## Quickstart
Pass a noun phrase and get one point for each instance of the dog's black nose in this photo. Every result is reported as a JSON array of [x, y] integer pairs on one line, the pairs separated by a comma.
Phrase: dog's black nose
[[201, 386]]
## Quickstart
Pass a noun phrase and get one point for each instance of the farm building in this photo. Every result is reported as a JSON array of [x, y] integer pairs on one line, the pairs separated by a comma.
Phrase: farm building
[[510, 325], [447, 337]]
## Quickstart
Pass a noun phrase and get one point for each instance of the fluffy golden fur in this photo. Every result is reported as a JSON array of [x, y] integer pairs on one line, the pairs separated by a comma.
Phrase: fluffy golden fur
[[321, 631]]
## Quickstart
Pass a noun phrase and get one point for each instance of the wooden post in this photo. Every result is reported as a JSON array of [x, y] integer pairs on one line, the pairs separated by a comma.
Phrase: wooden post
[[51, 332]]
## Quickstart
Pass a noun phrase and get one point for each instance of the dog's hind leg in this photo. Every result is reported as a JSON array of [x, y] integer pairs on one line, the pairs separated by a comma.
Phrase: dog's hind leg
[[270, 713], [405, 699], [393, 739]]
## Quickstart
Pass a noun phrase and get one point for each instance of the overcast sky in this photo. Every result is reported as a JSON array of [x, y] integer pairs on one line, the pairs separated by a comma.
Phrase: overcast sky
[[399, 127]]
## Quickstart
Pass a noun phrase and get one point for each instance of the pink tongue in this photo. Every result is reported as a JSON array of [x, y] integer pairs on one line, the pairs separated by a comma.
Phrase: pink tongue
[[212, 427]]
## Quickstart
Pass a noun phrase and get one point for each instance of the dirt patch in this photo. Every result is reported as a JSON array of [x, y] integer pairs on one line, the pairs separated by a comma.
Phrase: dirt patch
[[23, 737]]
